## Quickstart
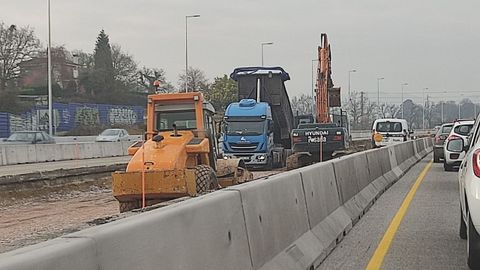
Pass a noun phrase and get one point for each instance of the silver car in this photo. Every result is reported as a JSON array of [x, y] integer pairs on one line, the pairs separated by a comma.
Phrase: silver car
[[113, 135], [29, 137]]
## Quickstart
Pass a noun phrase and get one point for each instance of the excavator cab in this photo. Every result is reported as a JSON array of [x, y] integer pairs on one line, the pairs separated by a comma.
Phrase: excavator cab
[[179, 156]]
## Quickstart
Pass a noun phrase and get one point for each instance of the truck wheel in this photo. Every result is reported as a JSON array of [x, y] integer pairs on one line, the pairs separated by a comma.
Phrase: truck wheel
[[473, 245], [205, 178], [436, 159], [128, 206]]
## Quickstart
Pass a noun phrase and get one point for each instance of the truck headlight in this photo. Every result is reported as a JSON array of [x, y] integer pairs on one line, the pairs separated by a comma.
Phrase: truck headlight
[[262, 157]]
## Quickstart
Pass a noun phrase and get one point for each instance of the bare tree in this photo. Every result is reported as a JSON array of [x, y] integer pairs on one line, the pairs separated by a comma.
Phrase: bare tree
[[302, 104], [124, 66], [196, 80], [146, 77], [360, 111], [16, 45], [388, 110]]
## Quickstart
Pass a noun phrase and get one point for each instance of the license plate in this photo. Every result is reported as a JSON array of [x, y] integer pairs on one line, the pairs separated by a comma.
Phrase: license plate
[[316, 139]]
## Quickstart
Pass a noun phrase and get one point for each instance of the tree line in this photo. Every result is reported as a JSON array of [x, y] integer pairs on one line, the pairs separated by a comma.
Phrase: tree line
[[108, 74], [362, 112]]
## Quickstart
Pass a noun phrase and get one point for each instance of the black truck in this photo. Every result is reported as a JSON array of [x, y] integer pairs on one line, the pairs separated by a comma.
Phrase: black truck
[[306, 139]]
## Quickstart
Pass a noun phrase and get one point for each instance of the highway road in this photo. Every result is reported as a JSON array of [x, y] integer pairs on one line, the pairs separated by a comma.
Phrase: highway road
[[427, 236]]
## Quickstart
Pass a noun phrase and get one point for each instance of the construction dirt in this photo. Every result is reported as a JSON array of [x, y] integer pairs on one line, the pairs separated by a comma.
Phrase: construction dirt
[[28, 218]]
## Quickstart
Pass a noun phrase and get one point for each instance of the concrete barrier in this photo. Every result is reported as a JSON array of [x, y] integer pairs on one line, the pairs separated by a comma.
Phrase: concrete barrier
[[289, 221], [60, 253], [352, 176], [277, 222], [82, 139], [380, 168], [328, 219], [203, 233], [33, 153]]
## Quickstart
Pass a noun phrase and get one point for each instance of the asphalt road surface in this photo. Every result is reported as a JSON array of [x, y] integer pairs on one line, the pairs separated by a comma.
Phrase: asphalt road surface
[[427, 236]]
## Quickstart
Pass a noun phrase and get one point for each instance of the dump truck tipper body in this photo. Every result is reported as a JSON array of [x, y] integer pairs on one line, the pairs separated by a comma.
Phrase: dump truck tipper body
[[261, 89]]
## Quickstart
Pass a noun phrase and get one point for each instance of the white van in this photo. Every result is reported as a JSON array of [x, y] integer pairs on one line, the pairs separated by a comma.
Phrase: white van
[[389, 131]]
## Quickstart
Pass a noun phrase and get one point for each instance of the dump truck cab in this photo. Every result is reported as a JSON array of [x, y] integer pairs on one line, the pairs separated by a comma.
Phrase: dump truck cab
[[179, 156]]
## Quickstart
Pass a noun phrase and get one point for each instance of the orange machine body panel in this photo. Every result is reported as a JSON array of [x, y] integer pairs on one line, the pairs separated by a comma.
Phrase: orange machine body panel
[[324, 81], [168, 164]]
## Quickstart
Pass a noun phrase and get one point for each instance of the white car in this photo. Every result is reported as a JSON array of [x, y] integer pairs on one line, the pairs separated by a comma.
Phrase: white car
[[389, 131], [113, 135], [469, 187], [460, 129]]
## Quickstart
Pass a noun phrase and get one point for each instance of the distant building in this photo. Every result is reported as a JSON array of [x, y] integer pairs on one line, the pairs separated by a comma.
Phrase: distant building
[[33, 73]]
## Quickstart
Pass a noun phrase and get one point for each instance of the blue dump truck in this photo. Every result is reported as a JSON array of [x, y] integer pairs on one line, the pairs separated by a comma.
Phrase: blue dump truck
[[257, 128]]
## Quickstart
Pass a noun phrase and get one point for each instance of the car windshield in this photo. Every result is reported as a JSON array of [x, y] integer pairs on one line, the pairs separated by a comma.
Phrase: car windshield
[[245, 128], [22, 137], [110, 132], [182, 119], [446, 129], [389, 127], [463, 129]]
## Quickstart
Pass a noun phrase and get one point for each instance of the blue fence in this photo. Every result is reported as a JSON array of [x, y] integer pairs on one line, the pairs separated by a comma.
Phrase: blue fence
[[69, 116], [4, 125]]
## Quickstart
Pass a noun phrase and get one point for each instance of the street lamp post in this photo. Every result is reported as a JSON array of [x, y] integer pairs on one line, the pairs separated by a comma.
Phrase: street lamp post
[[442, 110], [350, 72], [403, 84], [378, 90], [49, 77], [460, 107], [423, 108], [263, 44], [186, 48]]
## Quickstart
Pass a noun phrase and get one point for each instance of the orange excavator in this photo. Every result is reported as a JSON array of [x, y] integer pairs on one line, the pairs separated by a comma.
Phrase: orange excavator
[[318, 141], [179, 156]]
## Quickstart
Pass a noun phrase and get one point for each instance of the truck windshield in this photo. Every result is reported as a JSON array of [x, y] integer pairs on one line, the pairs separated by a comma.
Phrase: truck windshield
[[245, 128], [183, 120], [389, 127]]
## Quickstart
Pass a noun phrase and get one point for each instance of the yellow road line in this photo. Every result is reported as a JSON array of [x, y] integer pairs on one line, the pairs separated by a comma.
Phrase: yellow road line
[[382, 249]]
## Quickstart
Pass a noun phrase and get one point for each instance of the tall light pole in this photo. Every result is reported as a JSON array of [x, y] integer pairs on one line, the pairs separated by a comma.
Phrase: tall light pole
[[442, 110], [186, 48], [378, 90], [460, 107], [423, 108], [263, 44], [350, 72], [403, 84], [49, 77]]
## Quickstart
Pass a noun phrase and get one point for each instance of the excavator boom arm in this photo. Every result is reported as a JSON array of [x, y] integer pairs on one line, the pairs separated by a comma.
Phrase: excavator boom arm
[[324, 81]]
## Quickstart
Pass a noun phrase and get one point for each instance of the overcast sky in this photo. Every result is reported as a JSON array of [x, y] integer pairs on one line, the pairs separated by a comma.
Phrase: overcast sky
[[427, 43]]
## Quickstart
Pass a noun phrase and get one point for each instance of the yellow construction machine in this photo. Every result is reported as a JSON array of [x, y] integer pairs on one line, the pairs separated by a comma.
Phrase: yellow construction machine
[[179, 156]]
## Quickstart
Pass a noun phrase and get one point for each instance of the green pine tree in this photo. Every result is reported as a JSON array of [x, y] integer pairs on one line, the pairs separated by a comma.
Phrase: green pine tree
[[103, 73]]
